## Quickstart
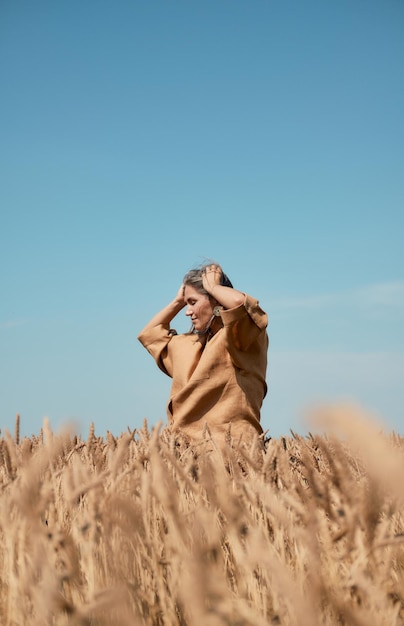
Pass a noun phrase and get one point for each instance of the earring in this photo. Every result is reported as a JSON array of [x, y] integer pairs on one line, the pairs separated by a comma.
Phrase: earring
[[216, 310]]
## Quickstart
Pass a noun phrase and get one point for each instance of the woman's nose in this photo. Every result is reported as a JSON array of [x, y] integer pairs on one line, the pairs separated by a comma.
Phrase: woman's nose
[[188, 311]]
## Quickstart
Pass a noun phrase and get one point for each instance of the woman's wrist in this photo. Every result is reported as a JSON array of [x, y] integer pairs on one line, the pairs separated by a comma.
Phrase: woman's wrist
[[212, 288], [178, 304]]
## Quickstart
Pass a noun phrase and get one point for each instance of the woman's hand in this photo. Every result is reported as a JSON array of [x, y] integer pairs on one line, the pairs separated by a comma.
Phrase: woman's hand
[[228, 297], [211, 276], [179, 298]]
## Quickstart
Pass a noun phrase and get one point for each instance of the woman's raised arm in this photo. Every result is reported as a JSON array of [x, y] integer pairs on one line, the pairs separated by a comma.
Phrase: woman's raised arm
[[168, 312]]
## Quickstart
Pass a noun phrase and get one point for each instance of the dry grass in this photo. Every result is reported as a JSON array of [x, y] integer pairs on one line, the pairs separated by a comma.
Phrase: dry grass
[[138, 529]]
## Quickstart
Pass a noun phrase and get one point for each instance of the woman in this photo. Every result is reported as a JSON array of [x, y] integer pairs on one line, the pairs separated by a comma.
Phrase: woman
[[218, 369]]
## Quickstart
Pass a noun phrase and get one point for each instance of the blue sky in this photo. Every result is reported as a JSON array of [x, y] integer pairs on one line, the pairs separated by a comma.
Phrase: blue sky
[[140, 138]]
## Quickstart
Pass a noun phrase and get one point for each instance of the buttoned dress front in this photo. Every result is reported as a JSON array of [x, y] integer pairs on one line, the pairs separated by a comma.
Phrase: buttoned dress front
[[217, 381]]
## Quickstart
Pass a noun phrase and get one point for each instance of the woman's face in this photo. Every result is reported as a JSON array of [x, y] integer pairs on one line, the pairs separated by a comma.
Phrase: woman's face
[[199, 308]]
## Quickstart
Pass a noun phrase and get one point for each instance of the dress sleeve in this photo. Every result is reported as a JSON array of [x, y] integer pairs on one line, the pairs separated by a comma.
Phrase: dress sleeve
[[156, 341], [244, 324]]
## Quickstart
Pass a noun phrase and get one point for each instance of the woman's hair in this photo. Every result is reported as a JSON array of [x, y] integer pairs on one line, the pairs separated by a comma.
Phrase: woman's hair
[[194, 279]]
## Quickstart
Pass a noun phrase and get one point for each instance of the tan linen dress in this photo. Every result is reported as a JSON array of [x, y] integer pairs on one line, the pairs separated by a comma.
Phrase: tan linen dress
[[218, 381]]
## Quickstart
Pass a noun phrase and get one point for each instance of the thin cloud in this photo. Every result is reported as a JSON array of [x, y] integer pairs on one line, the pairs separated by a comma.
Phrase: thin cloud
[[305, 302], [376, 299], [11, 324], [384, 294]]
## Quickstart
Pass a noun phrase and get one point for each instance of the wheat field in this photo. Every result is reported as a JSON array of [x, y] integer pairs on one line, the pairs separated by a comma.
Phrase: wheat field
[[139, 529]]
